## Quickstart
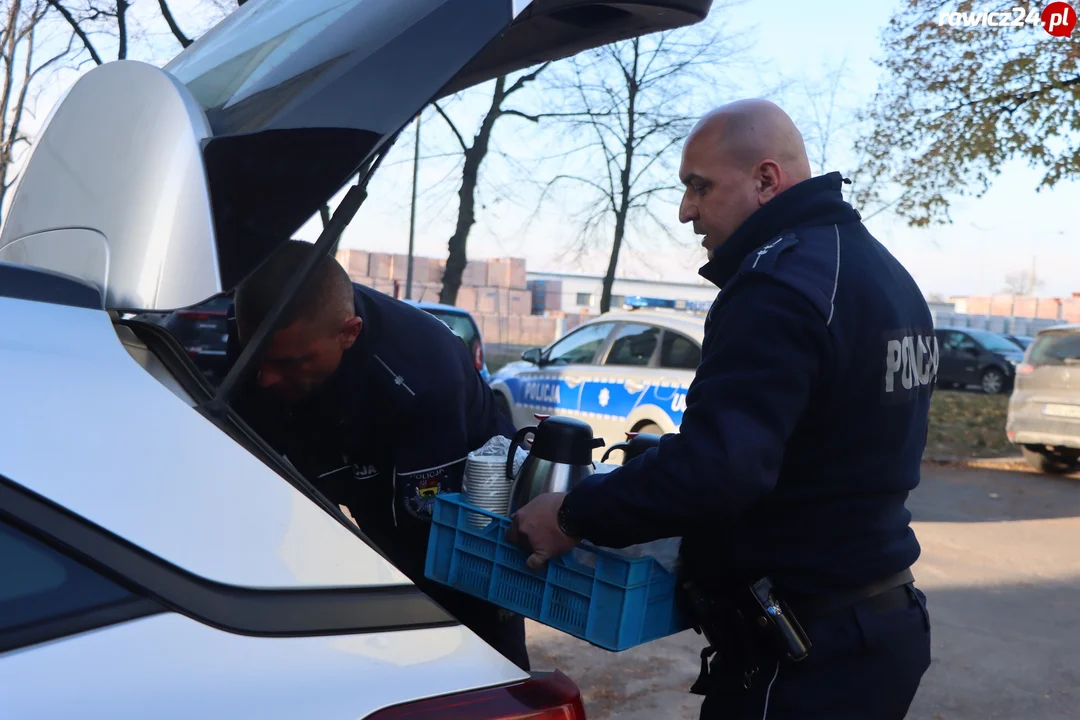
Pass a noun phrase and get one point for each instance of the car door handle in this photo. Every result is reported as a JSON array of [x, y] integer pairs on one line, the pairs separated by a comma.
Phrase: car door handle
[[634, 386]]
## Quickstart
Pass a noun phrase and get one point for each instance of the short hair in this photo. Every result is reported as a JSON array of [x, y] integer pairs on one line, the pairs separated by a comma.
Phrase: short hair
[[326, 297]]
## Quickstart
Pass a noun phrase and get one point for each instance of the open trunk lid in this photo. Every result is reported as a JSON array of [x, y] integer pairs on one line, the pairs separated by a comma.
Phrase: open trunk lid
[[164, 188]]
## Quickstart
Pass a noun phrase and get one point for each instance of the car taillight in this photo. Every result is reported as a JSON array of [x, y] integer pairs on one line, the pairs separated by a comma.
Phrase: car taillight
[[199, 316], [478, 355], [547, 697], [1025, 369]]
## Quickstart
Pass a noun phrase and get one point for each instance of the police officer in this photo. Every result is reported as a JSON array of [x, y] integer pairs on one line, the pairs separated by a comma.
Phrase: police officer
[[377, 403], [802, 437]]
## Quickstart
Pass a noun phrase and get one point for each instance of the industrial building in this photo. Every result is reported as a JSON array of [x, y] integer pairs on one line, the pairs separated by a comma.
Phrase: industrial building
[[576, 294]]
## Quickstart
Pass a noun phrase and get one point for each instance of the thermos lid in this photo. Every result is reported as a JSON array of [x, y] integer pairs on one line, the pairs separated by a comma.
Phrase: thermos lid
[[565, 440]]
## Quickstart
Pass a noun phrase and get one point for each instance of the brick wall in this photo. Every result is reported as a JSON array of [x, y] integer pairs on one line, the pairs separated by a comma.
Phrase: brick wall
[[494, 291]]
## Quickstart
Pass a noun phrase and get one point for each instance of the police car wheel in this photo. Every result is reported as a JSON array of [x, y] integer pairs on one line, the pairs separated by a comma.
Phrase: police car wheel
[[649, 428], [993, 381]]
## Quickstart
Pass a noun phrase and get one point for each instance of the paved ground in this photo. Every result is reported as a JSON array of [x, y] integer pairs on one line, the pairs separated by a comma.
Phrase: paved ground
[[1001, 570]]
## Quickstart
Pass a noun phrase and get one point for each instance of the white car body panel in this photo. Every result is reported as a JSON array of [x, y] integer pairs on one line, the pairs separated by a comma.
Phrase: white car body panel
[[95, 433], [123, 151], [171, 667]]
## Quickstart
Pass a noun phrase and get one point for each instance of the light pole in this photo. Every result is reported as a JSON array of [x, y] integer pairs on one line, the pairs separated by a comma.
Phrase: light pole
[[412, 212]]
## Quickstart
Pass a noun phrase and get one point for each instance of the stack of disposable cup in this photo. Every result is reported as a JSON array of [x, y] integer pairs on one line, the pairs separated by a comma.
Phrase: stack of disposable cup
[[486, 486]]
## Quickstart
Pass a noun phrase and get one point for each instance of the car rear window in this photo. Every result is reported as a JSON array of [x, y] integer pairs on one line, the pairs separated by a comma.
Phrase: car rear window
[[1056, 349], [679, 352], [461, 325], [633, 346]]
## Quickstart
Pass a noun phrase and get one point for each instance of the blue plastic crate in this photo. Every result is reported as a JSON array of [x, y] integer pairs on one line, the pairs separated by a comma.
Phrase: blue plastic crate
[[616, 605]]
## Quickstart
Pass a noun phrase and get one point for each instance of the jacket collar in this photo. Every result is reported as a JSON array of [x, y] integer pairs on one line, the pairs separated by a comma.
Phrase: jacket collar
[[817, 201]]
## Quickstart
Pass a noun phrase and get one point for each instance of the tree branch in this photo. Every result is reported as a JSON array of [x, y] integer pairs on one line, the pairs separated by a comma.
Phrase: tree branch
[[1000, 98], [460, 139], [524, 80], [518, 113], [176, 31], [66, 14], [652, 191]]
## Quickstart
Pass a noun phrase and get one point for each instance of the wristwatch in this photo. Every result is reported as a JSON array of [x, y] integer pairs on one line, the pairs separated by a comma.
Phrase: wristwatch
[[566, 525]]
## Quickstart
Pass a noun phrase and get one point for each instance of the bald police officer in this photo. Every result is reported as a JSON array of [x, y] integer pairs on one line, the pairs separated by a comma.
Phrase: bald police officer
[[802, 437]]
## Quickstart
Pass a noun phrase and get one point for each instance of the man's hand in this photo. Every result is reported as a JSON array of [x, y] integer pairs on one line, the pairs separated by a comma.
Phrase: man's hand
[[537, 527]]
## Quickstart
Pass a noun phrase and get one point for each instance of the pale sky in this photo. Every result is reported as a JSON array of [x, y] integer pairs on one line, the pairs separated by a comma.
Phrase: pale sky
[[793, 44], [791, 41]]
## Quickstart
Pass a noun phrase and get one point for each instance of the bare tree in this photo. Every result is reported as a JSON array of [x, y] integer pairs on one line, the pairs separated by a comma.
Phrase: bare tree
[[473, 156], [828, 117], [102, 24], [630, 105], [832, 127], [21, 64], [1022, 282]]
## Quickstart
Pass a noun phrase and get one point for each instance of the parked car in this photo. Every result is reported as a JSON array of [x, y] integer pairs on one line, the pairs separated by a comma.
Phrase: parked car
[[463, 325], [1044, 410], [157, 557], [976, 357], [624, 371], [204, 332], [1022, 341]]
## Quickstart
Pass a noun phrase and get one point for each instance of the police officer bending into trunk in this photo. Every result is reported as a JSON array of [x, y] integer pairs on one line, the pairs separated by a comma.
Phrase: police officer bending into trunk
[[802, 437], [377, 403]]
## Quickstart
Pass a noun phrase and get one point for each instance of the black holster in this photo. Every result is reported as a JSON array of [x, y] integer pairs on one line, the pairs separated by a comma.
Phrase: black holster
[[732, 647], [746, 627]]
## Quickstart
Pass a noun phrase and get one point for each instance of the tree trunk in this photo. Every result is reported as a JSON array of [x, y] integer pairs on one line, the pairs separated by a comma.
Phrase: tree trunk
[[470, 175], [122, 29], [624, 186]]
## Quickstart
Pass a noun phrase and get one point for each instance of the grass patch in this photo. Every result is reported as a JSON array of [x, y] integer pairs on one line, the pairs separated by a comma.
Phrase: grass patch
[[968, 425]]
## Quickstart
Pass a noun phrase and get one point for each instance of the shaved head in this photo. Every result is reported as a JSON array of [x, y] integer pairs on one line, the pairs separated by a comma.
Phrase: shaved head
[[749, 131], [737, 158], [318, 326]]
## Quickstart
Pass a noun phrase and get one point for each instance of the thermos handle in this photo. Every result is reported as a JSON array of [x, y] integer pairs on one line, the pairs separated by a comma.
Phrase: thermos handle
[[518, 438], [624, 446], [617, 446]]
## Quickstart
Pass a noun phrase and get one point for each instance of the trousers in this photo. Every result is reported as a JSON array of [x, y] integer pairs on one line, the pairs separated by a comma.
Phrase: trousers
[[865, 664]]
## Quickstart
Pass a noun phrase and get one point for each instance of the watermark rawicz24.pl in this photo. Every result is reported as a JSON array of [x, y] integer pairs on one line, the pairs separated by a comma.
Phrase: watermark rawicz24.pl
[[1057, 18]]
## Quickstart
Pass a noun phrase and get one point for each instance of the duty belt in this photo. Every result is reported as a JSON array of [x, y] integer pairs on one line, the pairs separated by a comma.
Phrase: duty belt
[[884, 592], [723, 636]]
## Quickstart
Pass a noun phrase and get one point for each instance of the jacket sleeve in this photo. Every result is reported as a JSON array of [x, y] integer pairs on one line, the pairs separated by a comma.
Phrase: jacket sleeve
[[769, 349]]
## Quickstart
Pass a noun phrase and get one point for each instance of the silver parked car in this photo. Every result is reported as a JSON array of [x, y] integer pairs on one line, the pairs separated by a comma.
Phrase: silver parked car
[[157, 558], [1044, 410]]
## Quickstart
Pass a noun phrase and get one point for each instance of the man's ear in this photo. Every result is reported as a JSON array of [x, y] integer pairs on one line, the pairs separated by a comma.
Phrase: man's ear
[[351, 331], [768, 179]]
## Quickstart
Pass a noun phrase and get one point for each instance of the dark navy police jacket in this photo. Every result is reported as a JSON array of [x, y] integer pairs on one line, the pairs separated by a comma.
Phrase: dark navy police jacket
[[391, 428], [806, 421]]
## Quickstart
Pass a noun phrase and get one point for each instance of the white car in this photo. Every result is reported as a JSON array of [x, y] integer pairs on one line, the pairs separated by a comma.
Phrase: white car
[[623, 371], [157, 558]]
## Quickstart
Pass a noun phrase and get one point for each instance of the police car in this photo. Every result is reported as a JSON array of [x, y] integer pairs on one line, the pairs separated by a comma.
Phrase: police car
[[624, 371]]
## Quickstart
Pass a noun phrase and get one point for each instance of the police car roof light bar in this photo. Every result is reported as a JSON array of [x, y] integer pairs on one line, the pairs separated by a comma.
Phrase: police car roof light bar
[[636, 302]]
